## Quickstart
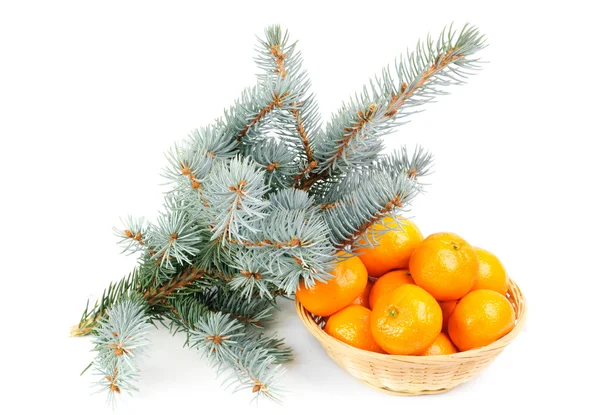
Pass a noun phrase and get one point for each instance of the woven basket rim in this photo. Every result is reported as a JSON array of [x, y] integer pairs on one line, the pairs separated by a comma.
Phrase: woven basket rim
[[521, 317]]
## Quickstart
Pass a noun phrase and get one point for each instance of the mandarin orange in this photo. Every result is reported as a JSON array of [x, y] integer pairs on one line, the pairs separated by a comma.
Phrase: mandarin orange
[[406, 320], [491, 275], [352, 325], [325, 298], [445, 265], [394, 247], [480, 318], [441, 345], [387, 282]]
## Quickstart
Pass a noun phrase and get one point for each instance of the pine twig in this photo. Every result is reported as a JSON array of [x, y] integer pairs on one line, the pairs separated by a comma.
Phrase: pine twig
[[251, 357], [277, 101], [365, 197], [277, 56], [353, 136], [90, 318], [306, 141], [188, 276], [121, 337], [391, 205]]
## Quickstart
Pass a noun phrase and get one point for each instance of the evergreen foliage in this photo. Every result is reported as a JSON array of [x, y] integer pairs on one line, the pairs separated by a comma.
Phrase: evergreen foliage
[[120, 337], [261, 201]]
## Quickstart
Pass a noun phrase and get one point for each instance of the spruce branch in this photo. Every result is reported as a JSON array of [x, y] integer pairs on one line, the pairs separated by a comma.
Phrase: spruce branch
[[307, 121], [414, 166], [299, 249], [183, 312], [174, 238], [215, 335], [248, 118], [277, 56], [121, 336], [262, 108], [299, 124], [272, 345], [187, 309], [253, 278], [279, 163], [291, 246], [398, 163], [251, 358], [91, 316], [367, 198], [255, 368], [291, 199], [213, 141], [215, 256], [133, 283], [150, 274], [113, 381], [254, 313], [133, 236], [275, 101], [353, 136], [185, 279], [188, 167], [234, 196]]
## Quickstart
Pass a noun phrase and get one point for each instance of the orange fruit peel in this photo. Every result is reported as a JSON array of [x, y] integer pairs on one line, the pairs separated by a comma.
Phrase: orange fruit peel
[[388, 282], [491, 274], [352, 325], [481, 317], [406, 321], [394, 247], [441, 345], [326, 298], [445, 265]]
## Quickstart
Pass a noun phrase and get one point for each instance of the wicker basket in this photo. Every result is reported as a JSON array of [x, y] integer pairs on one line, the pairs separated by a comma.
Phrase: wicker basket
[[414, 375]]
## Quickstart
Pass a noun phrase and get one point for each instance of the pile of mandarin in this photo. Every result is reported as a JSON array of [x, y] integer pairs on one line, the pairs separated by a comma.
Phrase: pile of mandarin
[[414, 296]]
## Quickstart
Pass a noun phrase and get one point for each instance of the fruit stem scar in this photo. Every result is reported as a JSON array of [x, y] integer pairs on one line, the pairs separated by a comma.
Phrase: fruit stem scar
[[393, 312]]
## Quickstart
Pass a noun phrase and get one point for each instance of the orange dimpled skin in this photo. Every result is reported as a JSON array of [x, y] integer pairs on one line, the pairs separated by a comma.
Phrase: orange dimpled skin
[[363, 298], [480, 318], [388, 282], [491, 275], [406, 321], [325, 298], [445, 265], [394, 247], [440, 346], [352, 325]]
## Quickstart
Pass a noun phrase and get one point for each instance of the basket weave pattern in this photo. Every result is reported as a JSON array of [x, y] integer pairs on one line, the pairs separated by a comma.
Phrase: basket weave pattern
[[414, 375]]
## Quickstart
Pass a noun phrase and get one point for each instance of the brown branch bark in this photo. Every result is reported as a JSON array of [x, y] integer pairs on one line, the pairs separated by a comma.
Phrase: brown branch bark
[[303, 136], [276, 102], [267, 242], [185, 278], [279, 57]]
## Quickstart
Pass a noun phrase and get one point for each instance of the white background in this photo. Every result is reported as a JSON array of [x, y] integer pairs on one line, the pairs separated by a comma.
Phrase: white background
[[92, 94]]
